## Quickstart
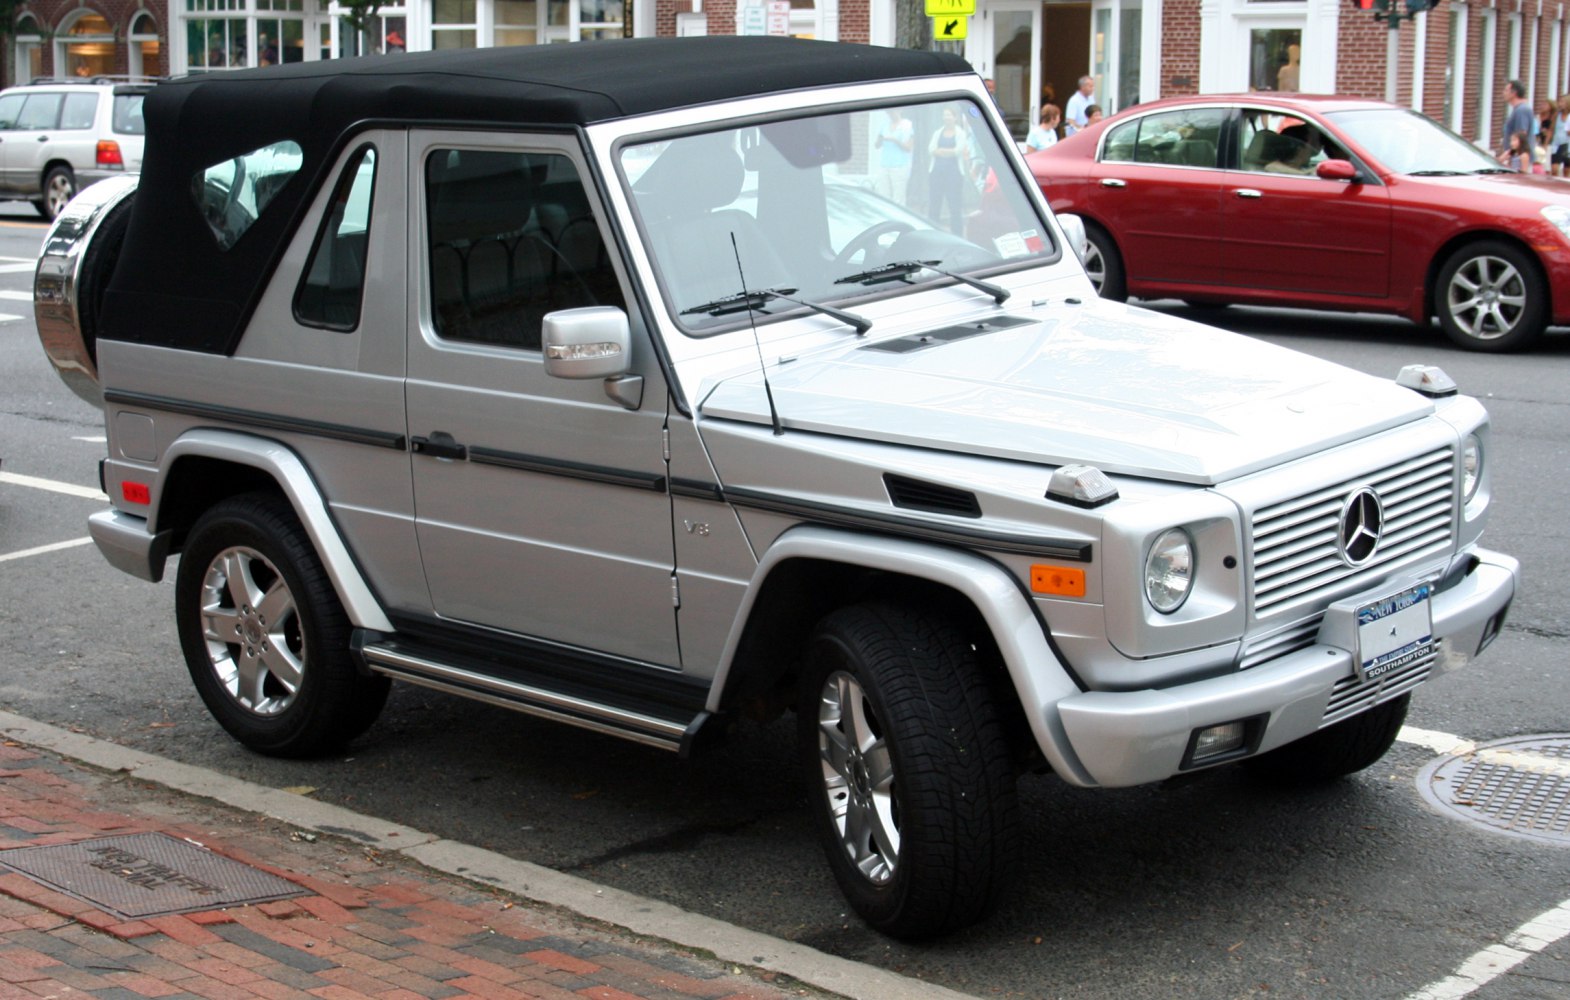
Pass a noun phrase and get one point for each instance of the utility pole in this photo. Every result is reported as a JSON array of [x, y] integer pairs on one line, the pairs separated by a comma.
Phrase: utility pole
[[1390, 12]]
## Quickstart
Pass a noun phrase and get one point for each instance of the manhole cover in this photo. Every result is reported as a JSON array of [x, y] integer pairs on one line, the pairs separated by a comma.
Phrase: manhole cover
[[146, 875], [1518, 786]]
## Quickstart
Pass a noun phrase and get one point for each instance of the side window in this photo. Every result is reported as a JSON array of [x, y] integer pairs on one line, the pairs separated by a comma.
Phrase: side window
[[334, 282], [510, 237], [40, 111], [233, 193], [1184, 138], [128, 114], [10, 109], [1280, 144], [1119, 147], [79, 111]]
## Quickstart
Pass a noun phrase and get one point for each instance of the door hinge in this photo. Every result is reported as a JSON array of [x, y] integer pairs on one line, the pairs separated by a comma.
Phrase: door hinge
[[675, 592]]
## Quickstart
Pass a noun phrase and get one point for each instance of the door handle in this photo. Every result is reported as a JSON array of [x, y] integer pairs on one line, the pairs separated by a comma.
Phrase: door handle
[[1113, 182], [439, 445], [43, 138], [1248, 193]]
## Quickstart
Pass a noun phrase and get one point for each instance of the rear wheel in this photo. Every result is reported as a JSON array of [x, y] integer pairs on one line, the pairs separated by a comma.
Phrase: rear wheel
[[908, 771], [58, 189], [1490, 297], [1335, 751], [264, 636], [1103, 264]]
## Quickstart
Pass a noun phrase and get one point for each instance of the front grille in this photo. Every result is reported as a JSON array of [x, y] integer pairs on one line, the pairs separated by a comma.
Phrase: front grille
[[1296, 562], [1351, 696]]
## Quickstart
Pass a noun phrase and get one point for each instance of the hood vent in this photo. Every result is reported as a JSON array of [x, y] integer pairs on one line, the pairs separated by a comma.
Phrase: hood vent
[[947, 334], [913, 494]]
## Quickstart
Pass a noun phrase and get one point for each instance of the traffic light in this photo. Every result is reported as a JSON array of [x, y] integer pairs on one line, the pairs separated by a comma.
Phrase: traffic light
[[1379, 5]]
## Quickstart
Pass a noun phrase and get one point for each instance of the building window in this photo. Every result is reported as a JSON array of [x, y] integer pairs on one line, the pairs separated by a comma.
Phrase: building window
[[455, 24], [29, 61], [1273, 58], [85, 47], [144, 54]]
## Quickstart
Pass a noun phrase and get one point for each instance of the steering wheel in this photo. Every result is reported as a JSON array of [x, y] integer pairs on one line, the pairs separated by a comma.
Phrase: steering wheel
[[866, 241]]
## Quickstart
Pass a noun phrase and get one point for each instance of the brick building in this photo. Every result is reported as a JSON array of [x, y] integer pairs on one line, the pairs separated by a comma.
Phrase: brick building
[[1452, 59]]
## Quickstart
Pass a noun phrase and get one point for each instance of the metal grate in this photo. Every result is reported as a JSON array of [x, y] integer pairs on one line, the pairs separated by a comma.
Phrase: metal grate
[[146, 875], [1518, 786], [1295, 557]]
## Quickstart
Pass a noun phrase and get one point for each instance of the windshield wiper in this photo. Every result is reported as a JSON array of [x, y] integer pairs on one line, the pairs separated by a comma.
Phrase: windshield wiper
[[905, 268], [1494, 170], [757, 298], [1443, 173]]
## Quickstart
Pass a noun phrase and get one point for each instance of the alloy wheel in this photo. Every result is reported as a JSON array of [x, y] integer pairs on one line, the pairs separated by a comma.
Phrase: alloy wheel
[[858, 778], [1486, 297], [252, 629]]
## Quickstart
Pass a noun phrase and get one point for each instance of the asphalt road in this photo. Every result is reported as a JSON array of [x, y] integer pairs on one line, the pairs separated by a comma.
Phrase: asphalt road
[[1214, 887]]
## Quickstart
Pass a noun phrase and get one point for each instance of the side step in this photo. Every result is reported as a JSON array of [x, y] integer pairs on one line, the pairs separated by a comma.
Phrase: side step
[[664, 722]]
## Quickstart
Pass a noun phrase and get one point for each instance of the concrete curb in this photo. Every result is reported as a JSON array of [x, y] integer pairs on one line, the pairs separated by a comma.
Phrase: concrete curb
[[639, 915]]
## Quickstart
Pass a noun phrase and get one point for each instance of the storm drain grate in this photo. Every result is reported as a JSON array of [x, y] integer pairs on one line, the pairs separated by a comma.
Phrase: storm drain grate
[[1519, 786], [146, 875]]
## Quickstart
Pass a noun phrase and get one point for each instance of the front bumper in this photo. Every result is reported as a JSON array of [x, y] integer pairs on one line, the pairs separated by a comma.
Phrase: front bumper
[[1137, 737]]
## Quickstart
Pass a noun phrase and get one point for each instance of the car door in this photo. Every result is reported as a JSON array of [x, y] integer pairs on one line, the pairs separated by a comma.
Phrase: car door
[[1158, 192], [540, 503], [1287, 231]]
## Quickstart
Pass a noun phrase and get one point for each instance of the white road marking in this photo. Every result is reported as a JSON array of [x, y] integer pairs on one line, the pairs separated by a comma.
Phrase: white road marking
[[17, 268], [8, 317], [43, 549], [34, 483], [15, 296], [1530, 938], [91, 439]]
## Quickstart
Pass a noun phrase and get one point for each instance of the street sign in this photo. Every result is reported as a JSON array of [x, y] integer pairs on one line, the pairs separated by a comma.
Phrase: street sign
[[945, 8], [950, 29]]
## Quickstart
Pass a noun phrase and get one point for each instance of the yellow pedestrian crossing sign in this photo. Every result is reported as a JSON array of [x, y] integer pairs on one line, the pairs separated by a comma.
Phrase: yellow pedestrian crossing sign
[[950, 28], [947, 8]]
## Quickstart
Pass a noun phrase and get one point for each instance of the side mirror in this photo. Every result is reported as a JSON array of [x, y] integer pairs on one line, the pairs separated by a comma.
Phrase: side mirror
[[1074, 233], [588, 342], [1336, 170]]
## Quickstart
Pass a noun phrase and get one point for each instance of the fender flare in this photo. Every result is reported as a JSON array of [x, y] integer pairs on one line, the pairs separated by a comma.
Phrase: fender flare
[[1039, 677], [299, 487]]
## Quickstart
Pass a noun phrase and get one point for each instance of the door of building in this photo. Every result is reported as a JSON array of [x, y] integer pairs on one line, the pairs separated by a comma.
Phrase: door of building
[[1011, 58]]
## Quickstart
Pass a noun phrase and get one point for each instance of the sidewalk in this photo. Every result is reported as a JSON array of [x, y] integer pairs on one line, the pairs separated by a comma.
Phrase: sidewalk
[[371, 919]]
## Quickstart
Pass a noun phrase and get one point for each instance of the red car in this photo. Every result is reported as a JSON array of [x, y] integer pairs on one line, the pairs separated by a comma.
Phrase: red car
[[1320, 202]]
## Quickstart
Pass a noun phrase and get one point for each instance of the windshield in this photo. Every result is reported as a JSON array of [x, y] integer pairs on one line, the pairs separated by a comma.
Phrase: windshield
[[1406, 142], [807, 206]]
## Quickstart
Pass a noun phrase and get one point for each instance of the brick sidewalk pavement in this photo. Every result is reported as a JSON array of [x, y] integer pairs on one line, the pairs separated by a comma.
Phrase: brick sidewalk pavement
[[369, 926]]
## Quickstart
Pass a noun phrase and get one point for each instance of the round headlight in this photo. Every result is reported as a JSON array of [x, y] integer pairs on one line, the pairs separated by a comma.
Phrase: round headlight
[[1471, 466], [1169, 570]]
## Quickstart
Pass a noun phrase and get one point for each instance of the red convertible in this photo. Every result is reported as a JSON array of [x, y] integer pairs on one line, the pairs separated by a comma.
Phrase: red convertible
[[1318, 202]]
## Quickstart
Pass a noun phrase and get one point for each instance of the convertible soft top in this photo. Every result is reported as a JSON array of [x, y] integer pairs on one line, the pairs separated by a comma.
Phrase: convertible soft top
[[179, 290]]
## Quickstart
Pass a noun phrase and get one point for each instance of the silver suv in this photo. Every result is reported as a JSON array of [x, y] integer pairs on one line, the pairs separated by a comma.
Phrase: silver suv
[[59, 137], [638, 386]]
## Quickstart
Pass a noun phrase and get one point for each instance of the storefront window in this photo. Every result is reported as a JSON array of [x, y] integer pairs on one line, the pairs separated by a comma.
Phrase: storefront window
[[87, 50], [455, 24], [144, 56], [29, 61], [1273, 59]]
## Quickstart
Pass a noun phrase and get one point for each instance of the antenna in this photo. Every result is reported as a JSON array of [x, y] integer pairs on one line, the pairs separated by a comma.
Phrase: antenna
[[774, 415]]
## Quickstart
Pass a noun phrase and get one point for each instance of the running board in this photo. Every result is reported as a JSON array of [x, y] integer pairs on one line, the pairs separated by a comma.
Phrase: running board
[[676, 731]]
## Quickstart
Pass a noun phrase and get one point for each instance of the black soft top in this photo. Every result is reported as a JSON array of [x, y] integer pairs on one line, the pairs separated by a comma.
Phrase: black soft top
[[173, 286]]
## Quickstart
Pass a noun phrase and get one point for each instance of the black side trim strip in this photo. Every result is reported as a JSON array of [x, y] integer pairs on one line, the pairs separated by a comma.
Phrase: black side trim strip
[[694, 489], [571, 470], [253, 418], [1052, 548]]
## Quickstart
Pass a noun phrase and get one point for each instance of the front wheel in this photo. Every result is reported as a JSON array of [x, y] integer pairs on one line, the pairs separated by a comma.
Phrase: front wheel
[[58, 189], [908, 770], [1335, 751], [264, 636], [1104, 265], [1490, 297]]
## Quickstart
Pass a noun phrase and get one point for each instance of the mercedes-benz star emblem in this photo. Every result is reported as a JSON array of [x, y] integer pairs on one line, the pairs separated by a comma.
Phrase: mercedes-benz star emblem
[[1362, 519]]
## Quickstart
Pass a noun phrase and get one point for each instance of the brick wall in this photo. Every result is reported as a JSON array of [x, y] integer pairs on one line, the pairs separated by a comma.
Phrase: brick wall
[[1179, 47], [51, 14]]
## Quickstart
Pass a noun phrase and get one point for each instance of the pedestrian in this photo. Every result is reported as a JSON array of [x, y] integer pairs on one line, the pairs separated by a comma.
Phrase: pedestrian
[[1518, 118], [1559, 151], [1074, 111], [894, 143], [1092, 114], [948, 168], [1045, 132], [1517, 154]]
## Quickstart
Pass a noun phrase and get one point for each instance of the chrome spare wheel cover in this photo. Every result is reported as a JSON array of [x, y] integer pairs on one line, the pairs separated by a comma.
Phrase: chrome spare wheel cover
[[858, 777], [1486, 297], [252, 628]]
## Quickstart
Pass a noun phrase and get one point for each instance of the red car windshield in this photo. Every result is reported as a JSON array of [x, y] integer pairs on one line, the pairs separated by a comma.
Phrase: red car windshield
[[1406, 142]]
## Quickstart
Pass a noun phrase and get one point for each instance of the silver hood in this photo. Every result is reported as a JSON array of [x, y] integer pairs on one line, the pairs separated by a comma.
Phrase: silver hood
[[1125, 389]]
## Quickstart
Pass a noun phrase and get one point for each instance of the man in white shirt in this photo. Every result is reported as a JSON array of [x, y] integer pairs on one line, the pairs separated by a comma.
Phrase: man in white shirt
[[1074, 113]]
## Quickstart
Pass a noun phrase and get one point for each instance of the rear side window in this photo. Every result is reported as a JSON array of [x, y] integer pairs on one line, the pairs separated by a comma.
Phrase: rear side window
[[39, 111], [334, 283], [128, 114], [11, 109], [233, 193], [79, 111]]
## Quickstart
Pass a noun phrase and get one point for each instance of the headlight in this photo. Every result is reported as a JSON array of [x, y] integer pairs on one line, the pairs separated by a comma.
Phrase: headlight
[[1169, 570], [1471, 467], [1559, 215]]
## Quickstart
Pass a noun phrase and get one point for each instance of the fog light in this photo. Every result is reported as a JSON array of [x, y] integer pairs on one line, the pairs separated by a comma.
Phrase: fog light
[[1225, 740]]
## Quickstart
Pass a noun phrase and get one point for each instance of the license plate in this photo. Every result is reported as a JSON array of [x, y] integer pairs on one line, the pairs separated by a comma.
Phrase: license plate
[[1394, 632]]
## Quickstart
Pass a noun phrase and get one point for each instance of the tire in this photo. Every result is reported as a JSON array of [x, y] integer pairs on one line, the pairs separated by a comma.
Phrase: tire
[[264, 636], [1335, 751], [908, 770], [58, 189], [1104, 264], [1491, 297]]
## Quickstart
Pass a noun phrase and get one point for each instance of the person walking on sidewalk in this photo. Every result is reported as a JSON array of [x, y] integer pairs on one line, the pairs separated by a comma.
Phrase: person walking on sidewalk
[[1519, 117]]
